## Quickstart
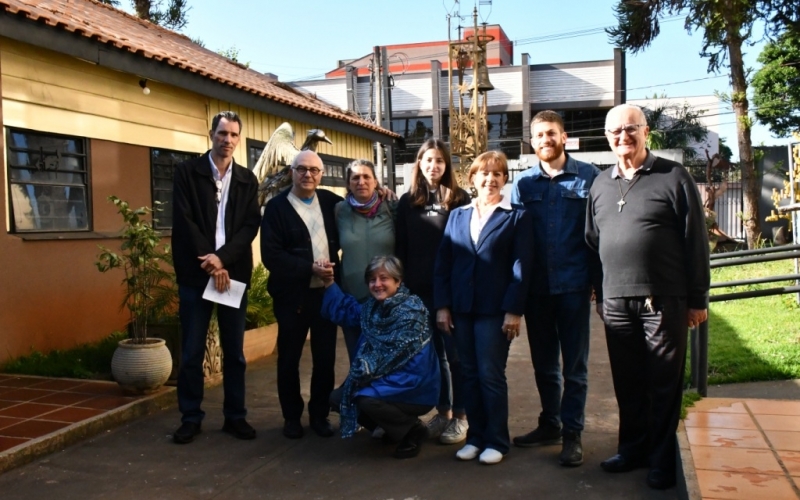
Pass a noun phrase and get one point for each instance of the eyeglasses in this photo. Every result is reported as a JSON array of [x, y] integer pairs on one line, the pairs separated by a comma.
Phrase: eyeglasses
[[314, 171], [629, 129], [219, 190]]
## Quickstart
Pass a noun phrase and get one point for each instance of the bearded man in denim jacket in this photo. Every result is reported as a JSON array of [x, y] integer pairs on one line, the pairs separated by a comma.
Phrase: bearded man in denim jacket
[[559, 302]]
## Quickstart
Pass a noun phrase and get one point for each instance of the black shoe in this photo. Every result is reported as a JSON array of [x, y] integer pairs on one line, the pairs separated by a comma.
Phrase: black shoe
[[543, 435], [658, 479], [412, 442], [618, 463], [293, 429], [239, 428], [186, 433], [321, 426], [571, 451]]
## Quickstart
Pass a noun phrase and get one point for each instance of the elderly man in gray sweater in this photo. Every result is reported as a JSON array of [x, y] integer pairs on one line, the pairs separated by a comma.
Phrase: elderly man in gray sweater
[[646, 220]]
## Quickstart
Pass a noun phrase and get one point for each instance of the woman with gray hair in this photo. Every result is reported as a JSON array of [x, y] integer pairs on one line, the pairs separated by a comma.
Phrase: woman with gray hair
[[394, 376], [365, 222]]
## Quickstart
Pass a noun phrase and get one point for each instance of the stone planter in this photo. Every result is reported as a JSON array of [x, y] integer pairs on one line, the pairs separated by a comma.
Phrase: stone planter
[[260, 342], [141, 368]]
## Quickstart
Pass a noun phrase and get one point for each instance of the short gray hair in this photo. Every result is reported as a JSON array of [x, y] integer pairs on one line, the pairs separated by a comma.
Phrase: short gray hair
[[634, 107], [389, 263]]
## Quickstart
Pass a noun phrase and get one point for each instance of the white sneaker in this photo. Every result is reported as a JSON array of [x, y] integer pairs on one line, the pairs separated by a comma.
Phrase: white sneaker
[[437, 425], [468, 452], [490, 456], [455, 432]]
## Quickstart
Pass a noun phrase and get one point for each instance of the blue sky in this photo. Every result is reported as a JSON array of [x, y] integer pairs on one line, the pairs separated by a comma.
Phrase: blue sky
[[302, 40]]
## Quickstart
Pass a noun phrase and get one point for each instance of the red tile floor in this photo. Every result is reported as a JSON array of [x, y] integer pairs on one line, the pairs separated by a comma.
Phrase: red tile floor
[[745, 448], [31, 407]]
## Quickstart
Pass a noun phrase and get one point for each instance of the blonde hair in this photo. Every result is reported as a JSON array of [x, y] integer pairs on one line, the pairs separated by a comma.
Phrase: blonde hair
[[496, 158]]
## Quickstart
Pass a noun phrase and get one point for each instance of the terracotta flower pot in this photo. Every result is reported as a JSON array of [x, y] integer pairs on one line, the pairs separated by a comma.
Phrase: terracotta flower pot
[[141, 368]]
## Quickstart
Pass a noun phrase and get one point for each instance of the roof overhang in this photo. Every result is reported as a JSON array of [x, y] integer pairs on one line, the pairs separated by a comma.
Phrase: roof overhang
[[47, 37]]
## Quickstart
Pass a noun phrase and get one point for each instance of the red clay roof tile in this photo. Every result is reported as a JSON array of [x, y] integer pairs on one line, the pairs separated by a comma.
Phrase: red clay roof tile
[[101, 22]]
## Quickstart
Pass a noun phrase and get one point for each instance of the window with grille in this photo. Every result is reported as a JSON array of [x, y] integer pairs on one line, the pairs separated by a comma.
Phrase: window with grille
[[254, 150], [48, 177], [162, 166]]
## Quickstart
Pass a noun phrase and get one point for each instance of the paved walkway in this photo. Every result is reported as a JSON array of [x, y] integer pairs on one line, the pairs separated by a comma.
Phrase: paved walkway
[[744, 448], [100, 458], [138, 459]]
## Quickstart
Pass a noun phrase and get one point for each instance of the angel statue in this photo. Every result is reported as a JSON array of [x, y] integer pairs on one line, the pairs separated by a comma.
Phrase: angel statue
[[272, 168]]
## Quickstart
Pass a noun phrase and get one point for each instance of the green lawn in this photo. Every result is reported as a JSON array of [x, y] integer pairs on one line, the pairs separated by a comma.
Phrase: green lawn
[[753, 339]]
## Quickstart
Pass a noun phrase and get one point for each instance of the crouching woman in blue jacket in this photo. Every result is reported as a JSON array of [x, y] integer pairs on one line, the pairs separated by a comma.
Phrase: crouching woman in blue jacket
[[394, 377]]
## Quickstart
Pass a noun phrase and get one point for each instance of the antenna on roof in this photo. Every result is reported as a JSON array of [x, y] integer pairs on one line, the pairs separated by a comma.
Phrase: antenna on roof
[[485, 3]]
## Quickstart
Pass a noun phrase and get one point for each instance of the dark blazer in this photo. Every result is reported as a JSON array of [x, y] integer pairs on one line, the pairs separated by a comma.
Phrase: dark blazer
[[491, 277], [286, 246], [194, 213]]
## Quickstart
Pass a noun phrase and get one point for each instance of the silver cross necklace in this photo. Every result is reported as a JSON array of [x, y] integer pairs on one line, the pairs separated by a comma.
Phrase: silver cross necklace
[[622, 195]]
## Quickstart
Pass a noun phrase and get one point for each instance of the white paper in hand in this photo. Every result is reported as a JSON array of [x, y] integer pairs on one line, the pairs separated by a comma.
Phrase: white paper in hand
[[231, 297]]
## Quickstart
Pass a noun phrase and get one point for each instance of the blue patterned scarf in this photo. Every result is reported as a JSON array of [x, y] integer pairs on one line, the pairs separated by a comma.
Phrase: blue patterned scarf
[[394, 331]]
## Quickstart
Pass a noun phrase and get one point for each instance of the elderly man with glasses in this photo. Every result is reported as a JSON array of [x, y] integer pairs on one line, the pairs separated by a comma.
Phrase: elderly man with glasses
[[216, 216], [646, 221], [300, 247]]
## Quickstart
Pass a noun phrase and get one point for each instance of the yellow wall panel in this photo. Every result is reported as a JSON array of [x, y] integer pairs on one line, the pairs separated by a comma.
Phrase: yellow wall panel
[[55, 70], [93, 104], [60, 121]]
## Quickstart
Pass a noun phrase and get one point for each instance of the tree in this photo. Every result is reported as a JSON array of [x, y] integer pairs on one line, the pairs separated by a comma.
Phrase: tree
[[726, 25], [725, 152], [776, 86], [173, 16], [233, 54], [674, 126]]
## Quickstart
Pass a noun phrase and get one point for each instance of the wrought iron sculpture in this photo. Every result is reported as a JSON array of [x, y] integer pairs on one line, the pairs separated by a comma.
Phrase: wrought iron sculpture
[[468, 127], [272, 168]]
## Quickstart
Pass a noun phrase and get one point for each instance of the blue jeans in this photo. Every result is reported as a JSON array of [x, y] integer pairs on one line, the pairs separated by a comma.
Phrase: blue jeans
[[558, 329], [483, 349], [451, 395], [195, 315]]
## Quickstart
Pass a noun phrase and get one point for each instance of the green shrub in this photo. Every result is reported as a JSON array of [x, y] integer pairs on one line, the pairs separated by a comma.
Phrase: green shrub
[[83, 361], [259, 302]]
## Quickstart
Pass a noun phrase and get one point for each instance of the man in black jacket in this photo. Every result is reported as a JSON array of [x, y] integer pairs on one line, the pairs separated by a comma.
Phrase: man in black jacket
[[300, 247], [646, 221], [215, 219]]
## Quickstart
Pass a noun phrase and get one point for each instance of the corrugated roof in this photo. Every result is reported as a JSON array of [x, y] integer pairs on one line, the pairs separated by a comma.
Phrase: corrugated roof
[[116, 28]]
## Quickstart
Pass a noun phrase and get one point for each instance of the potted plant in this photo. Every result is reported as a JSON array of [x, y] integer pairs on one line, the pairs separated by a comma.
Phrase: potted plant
[[141, 364], [262, 332]]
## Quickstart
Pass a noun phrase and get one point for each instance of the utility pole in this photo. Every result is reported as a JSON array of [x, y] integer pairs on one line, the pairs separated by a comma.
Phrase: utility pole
[[376, 66], [386, 87]]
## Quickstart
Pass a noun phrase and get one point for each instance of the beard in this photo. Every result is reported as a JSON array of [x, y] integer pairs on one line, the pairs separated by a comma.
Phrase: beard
[[555, 151]]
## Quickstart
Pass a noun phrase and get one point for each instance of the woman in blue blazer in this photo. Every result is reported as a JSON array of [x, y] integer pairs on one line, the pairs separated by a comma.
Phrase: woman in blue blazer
[[480, 285]]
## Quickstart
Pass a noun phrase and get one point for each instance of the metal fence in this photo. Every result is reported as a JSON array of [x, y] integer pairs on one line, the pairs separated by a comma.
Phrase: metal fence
[[699, 337]]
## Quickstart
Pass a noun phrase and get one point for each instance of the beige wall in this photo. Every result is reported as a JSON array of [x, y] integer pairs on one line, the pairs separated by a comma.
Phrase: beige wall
[[51, 294]]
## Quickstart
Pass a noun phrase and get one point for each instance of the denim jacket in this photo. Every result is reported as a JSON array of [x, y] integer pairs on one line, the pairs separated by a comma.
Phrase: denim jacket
[[564, 263]]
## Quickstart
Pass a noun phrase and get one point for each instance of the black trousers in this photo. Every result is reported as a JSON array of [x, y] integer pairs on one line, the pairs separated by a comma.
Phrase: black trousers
[[396, 419], [293, 327], [647, 350]]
